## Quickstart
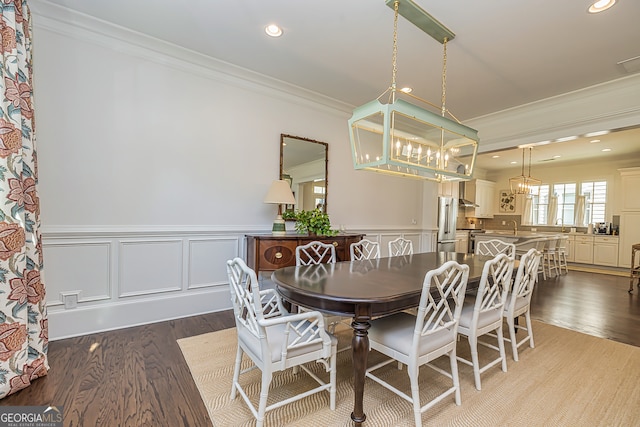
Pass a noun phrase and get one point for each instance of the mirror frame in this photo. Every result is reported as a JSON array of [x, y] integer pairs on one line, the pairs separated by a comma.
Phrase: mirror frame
[[326, 161]]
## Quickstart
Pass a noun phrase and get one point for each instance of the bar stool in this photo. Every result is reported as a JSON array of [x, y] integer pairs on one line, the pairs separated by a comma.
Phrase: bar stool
[[635, 267]]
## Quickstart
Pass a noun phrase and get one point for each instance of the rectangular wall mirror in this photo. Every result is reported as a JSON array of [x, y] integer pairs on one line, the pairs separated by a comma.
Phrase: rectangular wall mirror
[[303, 162]]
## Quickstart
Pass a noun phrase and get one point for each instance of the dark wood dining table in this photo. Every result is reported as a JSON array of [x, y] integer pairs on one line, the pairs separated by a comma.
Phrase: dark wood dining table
[[363, 290]]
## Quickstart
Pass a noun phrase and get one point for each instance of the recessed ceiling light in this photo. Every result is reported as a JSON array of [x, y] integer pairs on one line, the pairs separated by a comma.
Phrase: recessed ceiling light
[[406, 90], [601, 5], [557, 156], [594, 141], [598, 133], [566, 138], [606, 149], [495, 156], [273, 30], [514, 163]]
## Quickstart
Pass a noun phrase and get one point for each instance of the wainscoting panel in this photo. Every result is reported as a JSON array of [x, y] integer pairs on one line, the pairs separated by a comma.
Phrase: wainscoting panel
[[128, 277], [149, 267], [77, 267], [208, 261]]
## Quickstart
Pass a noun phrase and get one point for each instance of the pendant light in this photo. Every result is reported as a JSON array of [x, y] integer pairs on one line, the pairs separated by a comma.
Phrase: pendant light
[[400, 138], [525, 184]]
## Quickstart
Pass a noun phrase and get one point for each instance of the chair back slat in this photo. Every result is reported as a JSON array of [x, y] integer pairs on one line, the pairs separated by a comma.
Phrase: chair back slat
[[494, 247], [495, 284], [441, 300], [315, 253], [364, 249], [400, 246]]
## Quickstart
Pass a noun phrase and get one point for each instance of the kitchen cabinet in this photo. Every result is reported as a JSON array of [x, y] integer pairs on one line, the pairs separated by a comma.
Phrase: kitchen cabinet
[[570, 248], [629, 235], [449, 189], [462, 241], [630, 215], [482, 193], [605, 251], [583, 249]]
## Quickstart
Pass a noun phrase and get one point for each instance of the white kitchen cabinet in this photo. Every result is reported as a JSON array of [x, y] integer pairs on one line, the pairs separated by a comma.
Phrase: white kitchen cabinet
[[605, 251], [629, 235], [630, 184], [449, 189], [482, 193], [570, 248], [462, 241], [583, 249]]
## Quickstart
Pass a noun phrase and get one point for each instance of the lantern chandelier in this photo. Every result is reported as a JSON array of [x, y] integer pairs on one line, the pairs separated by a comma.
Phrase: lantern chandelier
[[401, 138], [525, 184]]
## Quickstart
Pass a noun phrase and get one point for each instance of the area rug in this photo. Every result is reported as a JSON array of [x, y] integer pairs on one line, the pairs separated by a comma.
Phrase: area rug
[[568, 379]]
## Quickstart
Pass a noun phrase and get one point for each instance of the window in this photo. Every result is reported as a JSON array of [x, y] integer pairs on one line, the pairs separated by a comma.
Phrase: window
[[540, 204], [566, 194], [570, 207], [595, 200]]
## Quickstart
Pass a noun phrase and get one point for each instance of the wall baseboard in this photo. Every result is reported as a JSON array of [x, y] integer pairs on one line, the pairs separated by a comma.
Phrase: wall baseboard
[[107, 317]]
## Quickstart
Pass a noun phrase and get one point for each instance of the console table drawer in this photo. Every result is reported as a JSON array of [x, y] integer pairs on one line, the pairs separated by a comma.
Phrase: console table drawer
[[266, 252], [276, 254]]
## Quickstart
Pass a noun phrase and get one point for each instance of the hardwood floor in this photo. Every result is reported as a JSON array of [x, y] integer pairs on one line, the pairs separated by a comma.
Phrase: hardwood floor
[[138, 377]]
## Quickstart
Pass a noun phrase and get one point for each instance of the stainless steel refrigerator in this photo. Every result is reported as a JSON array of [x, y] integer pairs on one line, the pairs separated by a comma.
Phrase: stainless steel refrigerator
[[447, 215]]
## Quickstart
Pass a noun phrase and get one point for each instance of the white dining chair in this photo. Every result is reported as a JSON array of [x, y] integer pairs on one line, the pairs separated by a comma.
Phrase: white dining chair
[[519, 300], [275, 340], [494, 247], [400, 246], [364, 249], [483, 314], [416, 340], [314, 253]]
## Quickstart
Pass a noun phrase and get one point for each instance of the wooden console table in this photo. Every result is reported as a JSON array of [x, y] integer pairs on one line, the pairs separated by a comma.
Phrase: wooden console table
[[266, 252]]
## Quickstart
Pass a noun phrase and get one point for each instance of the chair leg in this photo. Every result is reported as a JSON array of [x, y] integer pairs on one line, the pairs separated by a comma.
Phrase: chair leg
[[413, 372], [473, 345], [503, 354], [264, 393], [236, 372], [544, 273], [454, 375], [512, 337], [527, 316], [332, 380]]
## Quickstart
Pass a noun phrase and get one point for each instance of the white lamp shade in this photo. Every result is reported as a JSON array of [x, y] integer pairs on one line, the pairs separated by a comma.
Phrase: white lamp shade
[[280, 193]]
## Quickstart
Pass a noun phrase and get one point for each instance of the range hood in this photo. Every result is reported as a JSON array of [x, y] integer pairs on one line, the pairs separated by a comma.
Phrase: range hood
[[463, 202]]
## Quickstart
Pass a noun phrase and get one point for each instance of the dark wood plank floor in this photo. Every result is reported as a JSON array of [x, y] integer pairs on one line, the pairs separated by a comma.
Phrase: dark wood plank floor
[[138, 377]]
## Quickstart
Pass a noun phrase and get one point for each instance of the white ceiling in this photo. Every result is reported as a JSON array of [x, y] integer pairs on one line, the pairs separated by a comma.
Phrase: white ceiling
[[505, 53]]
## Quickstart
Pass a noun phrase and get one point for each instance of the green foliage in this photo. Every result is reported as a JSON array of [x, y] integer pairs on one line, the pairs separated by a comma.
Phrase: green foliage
[[289, 215], [314, 222]]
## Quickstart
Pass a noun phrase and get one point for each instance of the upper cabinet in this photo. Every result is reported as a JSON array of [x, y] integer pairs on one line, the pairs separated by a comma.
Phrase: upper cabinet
[[448, 189], [482, 193]]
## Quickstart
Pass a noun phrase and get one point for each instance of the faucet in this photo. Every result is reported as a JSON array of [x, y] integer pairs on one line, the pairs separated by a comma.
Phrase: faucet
[[515, 227], [561, 222]]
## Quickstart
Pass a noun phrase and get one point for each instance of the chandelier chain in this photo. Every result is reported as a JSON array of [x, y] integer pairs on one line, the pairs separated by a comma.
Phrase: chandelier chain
[[395, 52], [444, 77]]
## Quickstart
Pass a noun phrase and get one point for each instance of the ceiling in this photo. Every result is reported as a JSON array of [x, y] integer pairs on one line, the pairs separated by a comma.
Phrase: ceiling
[[505, 53], [620, 144]]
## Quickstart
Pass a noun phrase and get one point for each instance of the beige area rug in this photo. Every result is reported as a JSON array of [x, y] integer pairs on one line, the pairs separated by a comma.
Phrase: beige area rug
[[568, 379]]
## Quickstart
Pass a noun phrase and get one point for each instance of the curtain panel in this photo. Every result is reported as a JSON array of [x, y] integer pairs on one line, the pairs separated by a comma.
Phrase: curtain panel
[[23, 315]]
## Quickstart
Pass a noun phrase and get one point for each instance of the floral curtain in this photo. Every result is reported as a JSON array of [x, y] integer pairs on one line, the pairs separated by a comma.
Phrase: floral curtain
[[23, 315]]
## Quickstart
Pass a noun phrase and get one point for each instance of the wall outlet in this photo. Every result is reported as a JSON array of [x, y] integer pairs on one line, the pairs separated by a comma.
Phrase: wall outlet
[[70, 299], [413, 221], [504, 222]]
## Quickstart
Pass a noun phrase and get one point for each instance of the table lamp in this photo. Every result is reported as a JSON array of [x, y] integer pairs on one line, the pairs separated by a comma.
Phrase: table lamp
[[279, 193]]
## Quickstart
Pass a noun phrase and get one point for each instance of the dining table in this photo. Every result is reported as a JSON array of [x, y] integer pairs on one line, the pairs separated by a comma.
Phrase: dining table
[[366, 289]]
